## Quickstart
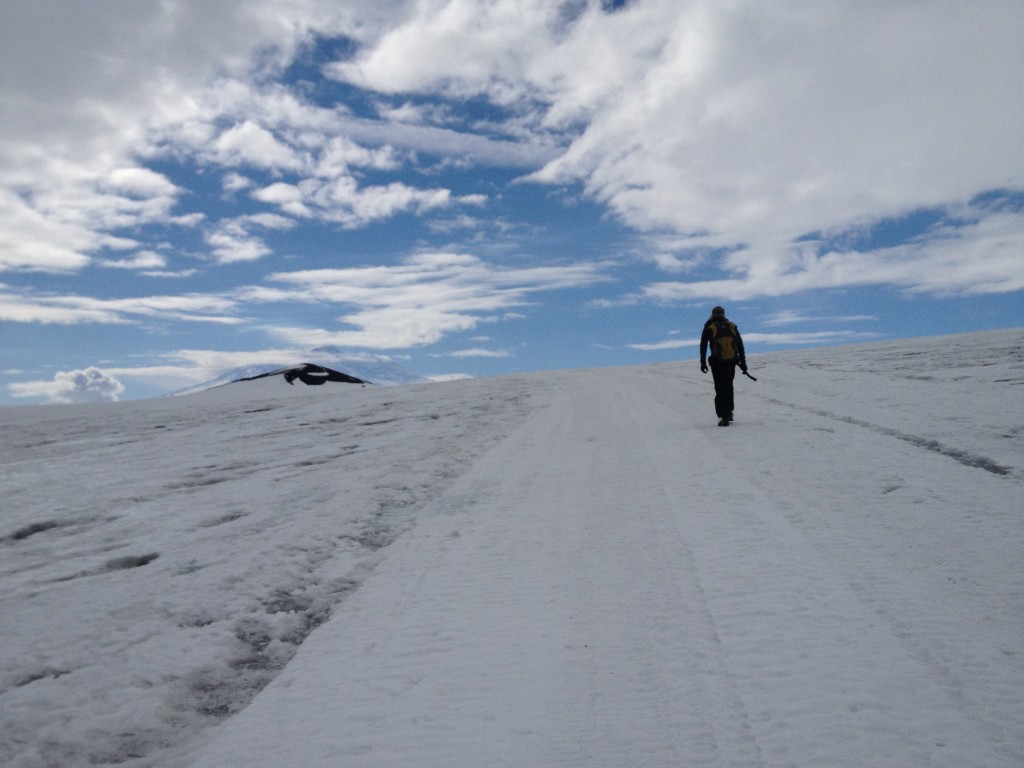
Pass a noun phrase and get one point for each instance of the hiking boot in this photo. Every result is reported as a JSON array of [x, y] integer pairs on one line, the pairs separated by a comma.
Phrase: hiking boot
[[723, 422]]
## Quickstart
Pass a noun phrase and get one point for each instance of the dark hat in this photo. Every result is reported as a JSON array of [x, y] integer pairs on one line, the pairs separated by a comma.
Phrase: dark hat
[[718, 312]]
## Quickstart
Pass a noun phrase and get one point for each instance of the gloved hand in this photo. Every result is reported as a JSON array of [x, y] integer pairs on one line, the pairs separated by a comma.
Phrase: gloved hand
[[743, 365], [703, 366]]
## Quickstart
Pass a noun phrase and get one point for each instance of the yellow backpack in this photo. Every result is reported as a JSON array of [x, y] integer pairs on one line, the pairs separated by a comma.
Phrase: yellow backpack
[[723, 340]]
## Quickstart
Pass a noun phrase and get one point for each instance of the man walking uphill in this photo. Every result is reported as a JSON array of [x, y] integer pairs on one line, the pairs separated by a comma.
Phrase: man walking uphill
[[726, 353]]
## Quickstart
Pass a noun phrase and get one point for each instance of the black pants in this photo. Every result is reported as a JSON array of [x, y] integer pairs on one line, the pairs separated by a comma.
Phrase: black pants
[[723, 374]]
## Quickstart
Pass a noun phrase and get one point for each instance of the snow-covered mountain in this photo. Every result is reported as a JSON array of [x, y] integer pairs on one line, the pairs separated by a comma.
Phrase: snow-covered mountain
[[572, 568]]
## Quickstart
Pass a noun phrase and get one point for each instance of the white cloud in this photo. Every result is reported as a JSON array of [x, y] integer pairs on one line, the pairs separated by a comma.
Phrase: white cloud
[[772, 339], [192, 366], [270, 221], [232, 244], [204, 308], [252, 145], [235, 182], [470, 47], [54, 311], [185, 367], [420, 301], [90, 90], [142, 260], [340, 153], [480, 352], [807, 338], [31, 241], [528, 148], [90, 385], [738, 126], [232, 240], [742, 125], [141, 182], [659, 346], [121, 83], [54, 214], [341, 200], [761, 124], [166, 274], [76, 310], [797, 317], [970, 258], [287, 196]]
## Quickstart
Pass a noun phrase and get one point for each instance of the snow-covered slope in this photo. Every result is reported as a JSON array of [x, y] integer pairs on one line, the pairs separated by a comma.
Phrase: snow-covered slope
[[573, 568]]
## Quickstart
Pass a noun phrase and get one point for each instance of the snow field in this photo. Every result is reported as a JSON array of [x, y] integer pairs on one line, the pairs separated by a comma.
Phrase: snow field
[[618, 584], [264, 507], [563, 569]]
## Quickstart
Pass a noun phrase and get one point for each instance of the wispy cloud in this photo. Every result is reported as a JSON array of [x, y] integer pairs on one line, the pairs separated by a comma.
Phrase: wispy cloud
[[480, 352], [148, 260], [424, 299], [74, 310], [983, 256], [769, 339], [797, 317]]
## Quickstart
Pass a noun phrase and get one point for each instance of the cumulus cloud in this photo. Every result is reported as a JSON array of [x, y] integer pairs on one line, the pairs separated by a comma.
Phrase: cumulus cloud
[[71, 211], [29, 240], [232, 243], [141, 182], [741, 126], [89, 91], [77, 122], [233, 240], [252, 145], [343, 201], [732, 126], [90, 385]]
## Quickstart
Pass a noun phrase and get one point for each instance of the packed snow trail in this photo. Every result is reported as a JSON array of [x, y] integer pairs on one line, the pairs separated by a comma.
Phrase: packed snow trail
[[605, 587]]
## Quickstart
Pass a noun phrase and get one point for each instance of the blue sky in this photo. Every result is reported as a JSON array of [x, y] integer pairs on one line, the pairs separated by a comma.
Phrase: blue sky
[[475, 188]]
